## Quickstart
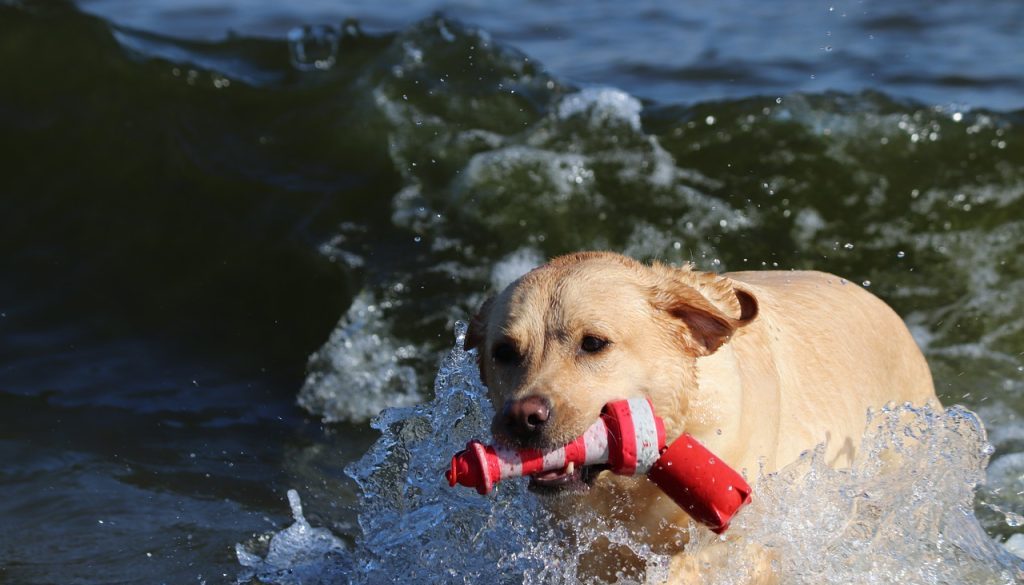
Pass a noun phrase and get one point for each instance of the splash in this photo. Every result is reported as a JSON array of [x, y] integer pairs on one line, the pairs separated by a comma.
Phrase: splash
[[298, 555], [903, 513], [362, 359]]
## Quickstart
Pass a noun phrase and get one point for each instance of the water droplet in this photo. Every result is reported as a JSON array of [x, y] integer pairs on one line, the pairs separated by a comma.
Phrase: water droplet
[[417, 239], [901, 254], [313, 47], [848, 246], [711, 461], [866, 283], [828, 48], [1013, 520], [710, 120], [778, 100], [957, 116]]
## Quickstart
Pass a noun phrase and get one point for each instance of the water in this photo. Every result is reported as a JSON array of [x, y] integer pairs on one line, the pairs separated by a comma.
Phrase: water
[[705, 50], [219, 262]]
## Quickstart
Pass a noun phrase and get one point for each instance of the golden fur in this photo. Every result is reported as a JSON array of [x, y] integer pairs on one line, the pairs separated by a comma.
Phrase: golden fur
[[758, 366]]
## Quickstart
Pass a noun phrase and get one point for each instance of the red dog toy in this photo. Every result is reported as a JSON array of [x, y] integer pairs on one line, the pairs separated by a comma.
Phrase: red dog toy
[[630, 439]]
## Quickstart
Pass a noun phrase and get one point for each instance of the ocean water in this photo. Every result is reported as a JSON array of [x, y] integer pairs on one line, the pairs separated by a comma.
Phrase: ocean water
[[233, 233]]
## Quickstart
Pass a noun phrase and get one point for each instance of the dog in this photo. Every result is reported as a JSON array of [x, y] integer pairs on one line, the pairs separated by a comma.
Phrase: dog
[[759, 366]]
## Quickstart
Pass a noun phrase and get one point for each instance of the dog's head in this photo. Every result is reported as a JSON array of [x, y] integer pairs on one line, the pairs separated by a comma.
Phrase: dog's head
[[590, 328]]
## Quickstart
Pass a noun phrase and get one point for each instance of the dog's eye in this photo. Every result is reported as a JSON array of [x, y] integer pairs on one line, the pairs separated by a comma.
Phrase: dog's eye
[[591, 344], [506, 353]]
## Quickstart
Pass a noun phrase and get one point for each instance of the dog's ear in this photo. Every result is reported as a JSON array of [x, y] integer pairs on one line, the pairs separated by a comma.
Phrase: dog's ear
[[712, 307], [477, 331]]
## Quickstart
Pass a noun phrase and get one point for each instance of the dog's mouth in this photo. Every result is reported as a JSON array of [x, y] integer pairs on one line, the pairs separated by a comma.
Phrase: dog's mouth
[[571, 479]]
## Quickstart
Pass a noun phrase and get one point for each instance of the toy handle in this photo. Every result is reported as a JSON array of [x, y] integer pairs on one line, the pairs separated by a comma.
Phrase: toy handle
[[481, 466], [628, 436], [474, 468]]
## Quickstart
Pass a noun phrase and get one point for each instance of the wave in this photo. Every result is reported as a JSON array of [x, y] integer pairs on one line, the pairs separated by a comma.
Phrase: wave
[[523, 162]]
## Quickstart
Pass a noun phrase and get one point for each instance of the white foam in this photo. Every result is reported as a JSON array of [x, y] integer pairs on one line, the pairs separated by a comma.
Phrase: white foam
[[514, 265], [602, 105], [1015, 544], [543, 187], [362, 369], [556, 177], [807, 224]]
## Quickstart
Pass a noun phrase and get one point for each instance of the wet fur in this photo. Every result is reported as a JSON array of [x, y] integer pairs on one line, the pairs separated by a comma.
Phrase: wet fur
[[759, 366]]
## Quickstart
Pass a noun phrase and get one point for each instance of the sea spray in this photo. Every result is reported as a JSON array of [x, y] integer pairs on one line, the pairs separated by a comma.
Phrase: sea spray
[[903, 512], [298, 555]]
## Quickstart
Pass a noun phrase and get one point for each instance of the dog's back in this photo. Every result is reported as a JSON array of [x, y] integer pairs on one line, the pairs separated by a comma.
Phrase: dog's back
[[837, 351]]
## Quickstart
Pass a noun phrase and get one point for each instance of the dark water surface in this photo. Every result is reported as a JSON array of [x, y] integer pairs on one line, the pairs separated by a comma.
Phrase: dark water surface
[[187, 217]]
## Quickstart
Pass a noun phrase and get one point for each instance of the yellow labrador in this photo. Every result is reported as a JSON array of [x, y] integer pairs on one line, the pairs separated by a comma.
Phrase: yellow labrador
[[758, 366]]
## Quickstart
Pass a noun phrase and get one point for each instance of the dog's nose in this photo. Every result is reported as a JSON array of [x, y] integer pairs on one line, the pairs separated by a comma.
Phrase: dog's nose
[[525, 418]]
